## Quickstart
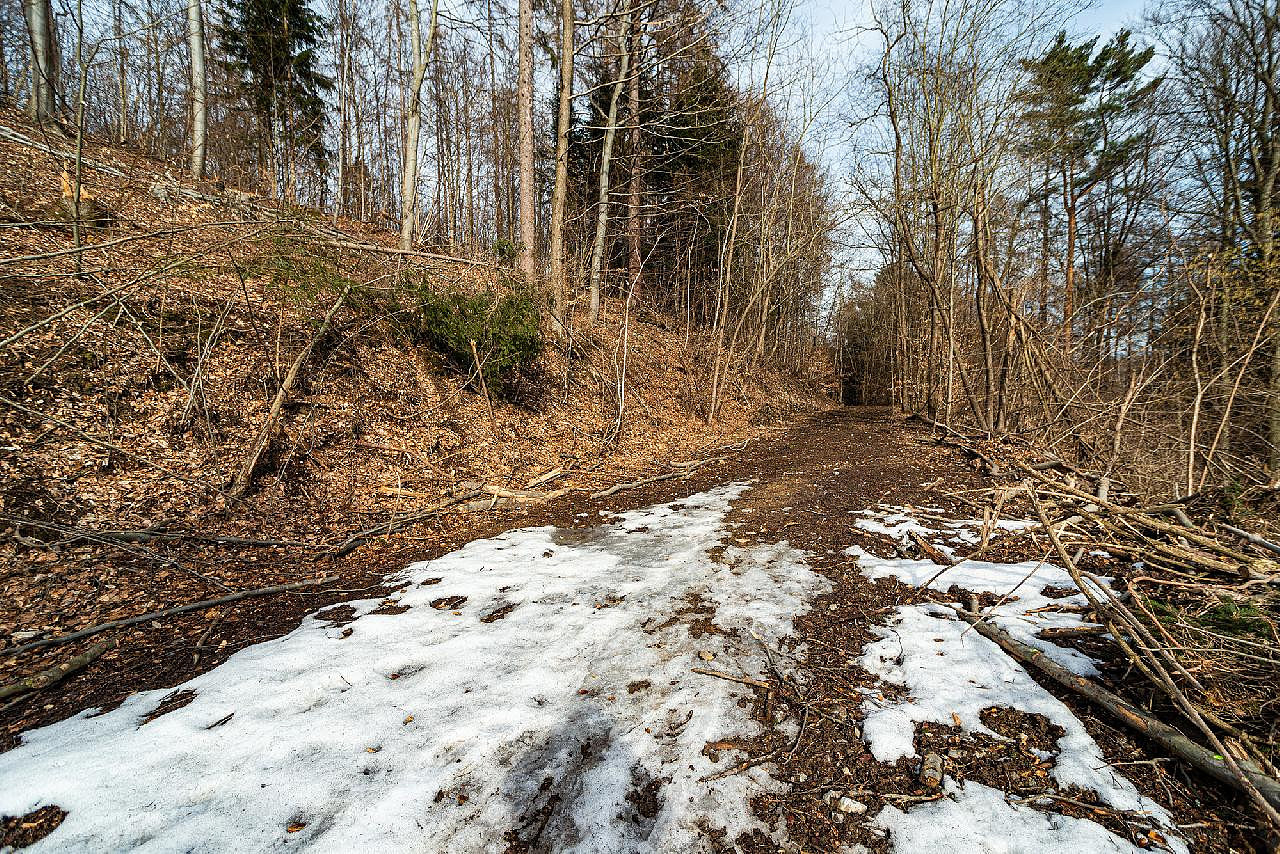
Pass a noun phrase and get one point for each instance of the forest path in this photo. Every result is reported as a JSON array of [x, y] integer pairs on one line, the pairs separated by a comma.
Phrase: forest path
[[622, 679]]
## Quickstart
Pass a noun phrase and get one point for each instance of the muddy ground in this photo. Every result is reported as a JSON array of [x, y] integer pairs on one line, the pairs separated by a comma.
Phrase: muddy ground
[[808, 481]]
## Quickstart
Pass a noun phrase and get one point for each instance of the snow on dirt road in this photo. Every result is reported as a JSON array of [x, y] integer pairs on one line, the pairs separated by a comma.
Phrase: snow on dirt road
[[952, 674], [537, 691]]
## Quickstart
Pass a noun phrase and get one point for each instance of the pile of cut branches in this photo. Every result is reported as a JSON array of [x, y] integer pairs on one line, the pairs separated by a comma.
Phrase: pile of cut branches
[[1193, 609]]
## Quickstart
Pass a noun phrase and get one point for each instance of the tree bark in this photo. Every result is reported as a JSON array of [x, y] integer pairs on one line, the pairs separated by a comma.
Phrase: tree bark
[[122, 65], [1069, 274], [1273, 432], [500, 230], [634, 260], [42, 103], [409, 174], [560, 191], [199, 88], [524, 101], [606, 155]]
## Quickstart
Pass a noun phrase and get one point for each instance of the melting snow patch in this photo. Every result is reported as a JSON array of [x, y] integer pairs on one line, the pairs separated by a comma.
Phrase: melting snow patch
[[952, 673], [898, 523], [977, 819], [948, 670], [572, 723], [1027, 609]]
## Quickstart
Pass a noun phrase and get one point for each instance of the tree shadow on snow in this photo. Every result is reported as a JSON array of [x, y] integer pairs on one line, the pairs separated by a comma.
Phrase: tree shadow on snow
[[580, 782]]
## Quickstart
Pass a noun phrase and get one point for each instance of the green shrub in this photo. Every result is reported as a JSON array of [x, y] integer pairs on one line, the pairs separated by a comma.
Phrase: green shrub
[[504, 329], [1235, 618], [1227, 617], [506, 251]]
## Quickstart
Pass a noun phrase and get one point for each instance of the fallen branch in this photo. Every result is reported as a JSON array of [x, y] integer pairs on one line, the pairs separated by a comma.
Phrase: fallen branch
[[392, 250], [738, 769], [89, 437], [245, 475], [619, 487], [1142, 517], [401, 492], [1163, 734], [55, 674], [1253, 538], [484, 387], [545, 477], [686, 469], [352, 542], [741, 680], [1060, 632], [106, 244], [523, 496], [931, 551], [216, 539], [124, 545], [169, 612]]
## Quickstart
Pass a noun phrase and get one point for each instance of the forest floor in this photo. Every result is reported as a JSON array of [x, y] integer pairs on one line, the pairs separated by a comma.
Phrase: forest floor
[[740, 659], [141, 371]]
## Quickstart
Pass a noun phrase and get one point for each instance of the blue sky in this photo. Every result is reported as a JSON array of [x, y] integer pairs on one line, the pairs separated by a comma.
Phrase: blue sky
[[832, 21], [833, 15], [830, 51]]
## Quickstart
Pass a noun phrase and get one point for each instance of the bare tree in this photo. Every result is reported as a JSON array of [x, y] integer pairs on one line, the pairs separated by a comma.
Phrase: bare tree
[[561, 189], [199, 88], [43, 102], [598, 246], [524, 105], [409, 174], [634, 260]]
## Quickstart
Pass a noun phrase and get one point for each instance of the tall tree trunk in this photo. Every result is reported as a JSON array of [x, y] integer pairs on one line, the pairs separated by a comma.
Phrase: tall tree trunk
[[1069, 288], [199, 88], [122, 70], [606, 156], [563, 119], [724, 281], [524, 104], [6, 87], [1273, 431], [409, 174], [634, 260], [42, 103], [344, 111], [1044, 252], [499, 221]]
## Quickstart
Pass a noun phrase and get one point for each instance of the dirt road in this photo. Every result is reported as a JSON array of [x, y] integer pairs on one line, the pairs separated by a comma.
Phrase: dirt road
[[682, 666]]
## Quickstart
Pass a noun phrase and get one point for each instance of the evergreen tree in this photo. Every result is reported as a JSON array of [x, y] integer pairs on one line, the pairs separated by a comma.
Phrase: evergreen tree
[[1075, 102], [271, 51]]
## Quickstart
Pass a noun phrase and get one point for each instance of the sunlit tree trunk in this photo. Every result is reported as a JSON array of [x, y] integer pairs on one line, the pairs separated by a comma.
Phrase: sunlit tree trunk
[[199, 88], [42, 103], [561, 188], [633, 180], [409, 174], [524, 104], [122, 70], [606, 156]]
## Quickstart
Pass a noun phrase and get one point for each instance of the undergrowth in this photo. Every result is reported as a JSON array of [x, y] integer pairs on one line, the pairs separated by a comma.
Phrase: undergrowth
[[502, 329], [502, 325]]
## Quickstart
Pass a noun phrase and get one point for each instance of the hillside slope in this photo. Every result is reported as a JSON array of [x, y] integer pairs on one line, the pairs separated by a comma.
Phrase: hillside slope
[[139, 371]]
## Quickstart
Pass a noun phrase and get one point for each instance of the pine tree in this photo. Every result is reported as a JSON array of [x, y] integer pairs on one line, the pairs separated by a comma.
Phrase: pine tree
[[271, 50], [1074, 99]]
